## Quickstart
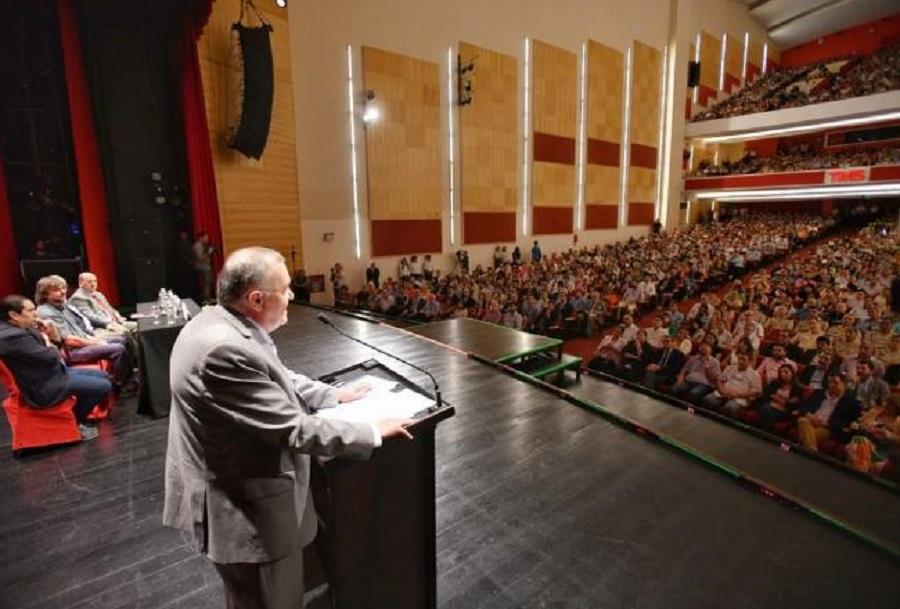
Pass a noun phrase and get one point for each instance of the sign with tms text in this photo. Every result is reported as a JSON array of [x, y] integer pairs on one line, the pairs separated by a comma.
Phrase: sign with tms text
[[847, 176]]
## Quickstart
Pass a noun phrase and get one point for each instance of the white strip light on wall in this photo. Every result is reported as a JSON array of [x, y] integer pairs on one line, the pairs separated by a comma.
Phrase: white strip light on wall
[[354, 170], [691, 159], [744, 58], [582, 139], [660, 165], [451, 146], [526, 138], [722, 62], [626, 143], [764, 194], [843, 122], [697, 60], [765, 59]]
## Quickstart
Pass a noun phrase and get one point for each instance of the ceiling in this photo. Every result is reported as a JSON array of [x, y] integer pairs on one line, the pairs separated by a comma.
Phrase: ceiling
[[793, 22]]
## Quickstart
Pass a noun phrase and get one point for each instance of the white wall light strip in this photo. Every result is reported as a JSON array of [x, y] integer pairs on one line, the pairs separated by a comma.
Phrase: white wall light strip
[[722, 62], [626, 143], [761, 194], [451, 146], [744, 58], [819, 126], [691, 159], [716, 157], [582, 140], [697, 60], [526, 138], [660, 165], [354, 171], [765, 59]]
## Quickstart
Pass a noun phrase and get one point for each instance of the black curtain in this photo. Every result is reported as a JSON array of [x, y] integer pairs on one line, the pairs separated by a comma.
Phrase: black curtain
[[130, 56]]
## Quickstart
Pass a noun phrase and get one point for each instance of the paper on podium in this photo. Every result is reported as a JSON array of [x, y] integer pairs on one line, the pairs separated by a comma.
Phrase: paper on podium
[[385, 400]]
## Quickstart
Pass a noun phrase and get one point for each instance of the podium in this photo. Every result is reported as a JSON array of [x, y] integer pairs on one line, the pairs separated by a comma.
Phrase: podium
[[377, 534]]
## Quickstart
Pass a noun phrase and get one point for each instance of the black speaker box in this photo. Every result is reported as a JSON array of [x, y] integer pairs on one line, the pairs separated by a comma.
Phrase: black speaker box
[[693, 73], [259, 88]]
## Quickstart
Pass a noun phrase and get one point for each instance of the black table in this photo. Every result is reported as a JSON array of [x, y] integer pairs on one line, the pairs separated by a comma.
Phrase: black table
[[156, 341]]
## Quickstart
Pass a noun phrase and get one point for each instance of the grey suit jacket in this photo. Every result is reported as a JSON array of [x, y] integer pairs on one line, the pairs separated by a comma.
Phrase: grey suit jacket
[[240, 436], [88, 307]]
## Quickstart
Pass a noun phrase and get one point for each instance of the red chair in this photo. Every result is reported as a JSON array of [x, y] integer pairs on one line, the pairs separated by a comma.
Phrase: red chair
[[33, 427]]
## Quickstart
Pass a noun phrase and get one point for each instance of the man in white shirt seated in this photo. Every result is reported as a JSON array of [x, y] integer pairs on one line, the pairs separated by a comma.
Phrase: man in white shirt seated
[[768, 369], [738, 386], [656, 333]]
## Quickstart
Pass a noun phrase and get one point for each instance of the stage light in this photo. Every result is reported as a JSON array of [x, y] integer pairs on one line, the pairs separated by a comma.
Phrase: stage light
[[281, 3], [371, 114]]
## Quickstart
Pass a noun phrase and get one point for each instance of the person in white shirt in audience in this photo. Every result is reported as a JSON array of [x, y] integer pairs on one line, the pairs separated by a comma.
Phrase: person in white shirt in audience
[[655, 333], [698, 376], [738, 386]]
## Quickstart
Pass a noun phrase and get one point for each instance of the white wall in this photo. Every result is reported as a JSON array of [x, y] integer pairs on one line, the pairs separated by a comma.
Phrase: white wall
[[321, 30]]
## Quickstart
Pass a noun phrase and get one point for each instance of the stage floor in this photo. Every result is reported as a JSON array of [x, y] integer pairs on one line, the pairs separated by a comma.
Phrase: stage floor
[[540, 504]]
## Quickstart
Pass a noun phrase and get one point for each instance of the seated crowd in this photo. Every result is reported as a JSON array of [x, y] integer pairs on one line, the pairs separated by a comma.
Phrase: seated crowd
[[800, 157], [831, 80], [806, 349], [59, 345], [581, 291]]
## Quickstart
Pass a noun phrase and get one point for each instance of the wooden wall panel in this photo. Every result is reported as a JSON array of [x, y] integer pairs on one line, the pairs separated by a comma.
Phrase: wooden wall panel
[[605, 95], [734, 57], [403, 148], [644, 127], [258, 200], [554, 90], [554, 123], [488, 130], [754, 60], [710, 53]]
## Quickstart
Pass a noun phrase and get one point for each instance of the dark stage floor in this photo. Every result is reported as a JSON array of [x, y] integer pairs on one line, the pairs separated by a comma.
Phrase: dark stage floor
[[540, 504]]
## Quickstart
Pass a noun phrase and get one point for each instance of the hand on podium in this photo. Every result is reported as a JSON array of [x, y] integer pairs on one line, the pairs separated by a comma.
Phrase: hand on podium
[[391, 428], [353, 392]]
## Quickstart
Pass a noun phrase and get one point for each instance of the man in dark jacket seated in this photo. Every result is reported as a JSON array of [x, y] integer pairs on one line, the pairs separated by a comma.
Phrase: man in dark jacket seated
[[665, 365], [828, 414], [40, 374]]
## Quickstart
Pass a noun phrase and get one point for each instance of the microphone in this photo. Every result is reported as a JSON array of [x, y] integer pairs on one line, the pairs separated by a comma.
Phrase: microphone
[[437, 392]]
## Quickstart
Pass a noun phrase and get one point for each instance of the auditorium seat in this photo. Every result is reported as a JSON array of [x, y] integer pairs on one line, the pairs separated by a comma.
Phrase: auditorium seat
[[34, 427]]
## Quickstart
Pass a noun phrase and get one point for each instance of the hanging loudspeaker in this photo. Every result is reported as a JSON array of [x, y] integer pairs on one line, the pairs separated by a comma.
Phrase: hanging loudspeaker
[[693, 73], [258, 90]]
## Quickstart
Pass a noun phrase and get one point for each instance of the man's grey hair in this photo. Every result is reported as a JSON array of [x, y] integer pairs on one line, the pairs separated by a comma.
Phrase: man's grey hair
[[245, 269]]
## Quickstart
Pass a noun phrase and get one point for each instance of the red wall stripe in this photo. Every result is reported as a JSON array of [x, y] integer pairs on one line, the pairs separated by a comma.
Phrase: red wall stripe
[[601, 216], [804, 178], [731, 82], [640, 214], [550, 148], [706, 94], [552, 220], [488, 227], [885, 172], [643, 156], [601, 152], [862, 39], [399, 237]]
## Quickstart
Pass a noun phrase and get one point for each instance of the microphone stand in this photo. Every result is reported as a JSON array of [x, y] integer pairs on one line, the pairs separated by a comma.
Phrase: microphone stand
[[437, 392]]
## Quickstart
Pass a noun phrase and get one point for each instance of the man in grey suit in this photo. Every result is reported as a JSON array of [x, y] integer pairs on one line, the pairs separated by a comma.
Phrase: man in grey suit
[[241, 431]]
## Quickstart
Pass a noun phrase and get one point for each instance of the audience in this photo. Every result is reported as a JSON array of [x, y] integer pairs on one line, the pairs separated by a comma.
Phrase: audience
[[830, 80], [799, 157]]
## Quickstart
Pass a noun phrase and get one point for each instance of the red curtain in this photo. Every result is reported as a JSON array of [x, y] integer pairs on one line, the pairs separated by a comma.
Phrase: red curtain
[[10, 279], [91, 189], [201, 175]]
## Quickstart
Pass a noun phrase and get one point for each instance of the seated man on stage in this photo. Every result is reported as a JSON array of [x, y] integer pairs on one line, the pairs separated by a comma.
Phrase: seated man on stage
[[91, 303], [35, 363], [241, 431], [81, 345]]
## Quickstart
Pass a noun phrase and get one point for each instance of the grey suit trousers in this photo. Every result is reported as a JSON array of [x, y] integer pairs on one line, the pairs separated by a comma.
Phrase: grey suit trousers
[[268, 585]]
